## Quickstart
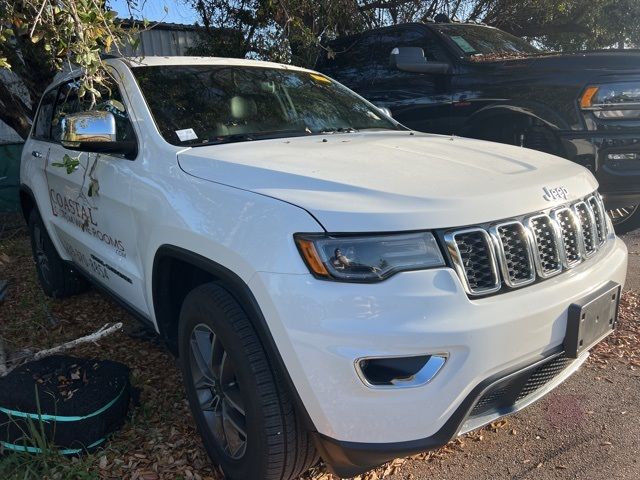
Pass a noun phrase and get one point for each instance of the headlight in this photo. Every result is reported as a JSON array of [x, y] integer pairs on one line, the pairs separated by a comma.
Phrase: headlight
[[368, 258], [613, 100]]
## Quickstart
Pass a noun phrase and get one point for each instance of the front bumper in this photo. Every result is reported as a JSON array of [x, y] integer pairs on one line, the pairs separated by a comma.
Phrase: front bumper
[[619, 179], [349, 458], [321, 328]]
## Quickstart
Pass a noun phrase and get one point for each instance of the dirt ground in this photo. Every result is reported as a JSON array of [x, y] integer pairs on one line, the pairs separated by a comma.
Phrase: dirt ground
[[587, 429]]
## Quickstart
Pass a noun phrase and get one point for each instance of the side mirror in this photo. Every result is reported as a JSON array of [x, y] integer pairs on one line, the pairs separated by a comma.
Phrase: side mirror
[[94, 131], [412, 59], [385, 110]]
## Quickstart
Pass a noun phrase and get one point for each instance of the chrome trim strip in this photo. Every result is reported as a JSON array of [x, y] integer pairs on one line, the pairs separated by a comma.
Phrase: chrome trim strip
[[578, 231], [558, 241], [499, 245], [608, 226], [425, 375], [597, 208], [594, 232], [454, 253]]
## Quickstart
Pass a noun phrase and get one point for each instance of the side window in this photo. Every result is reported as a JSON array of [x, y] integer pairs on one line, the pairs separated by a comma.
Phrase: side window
[[411, 37], [42, 129], [110, 101], [350, 61]]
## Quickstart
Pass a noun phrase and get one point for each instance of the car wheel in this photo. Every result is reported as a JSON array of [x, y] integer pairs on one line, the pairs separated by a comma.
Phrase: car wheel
[[242, 410], [57, 278], [625, 219]]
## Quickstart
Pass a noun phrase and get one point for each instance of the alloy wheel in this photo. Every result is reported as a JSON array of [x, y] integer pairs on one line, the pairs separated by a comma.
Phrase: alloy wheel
[[214, 378], [622, 214]]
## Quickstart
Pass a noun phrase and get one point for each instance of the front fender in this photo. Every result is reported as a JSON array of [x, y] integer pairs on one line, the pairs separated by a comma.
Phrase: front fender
[[540, 112]]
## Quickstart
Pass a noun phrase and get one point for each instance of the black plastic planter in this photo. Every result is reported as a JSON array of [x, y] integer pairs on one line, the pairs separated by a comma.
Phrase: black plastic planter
[[75, 404]]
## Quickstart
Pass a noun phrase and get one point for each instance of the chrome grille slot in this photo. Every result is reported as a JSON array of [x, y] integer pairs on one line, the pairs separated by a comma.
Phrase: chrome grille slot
[[515, 254], [599, 217], [546, 236], [588, 226], [474, 258], [570, 234]]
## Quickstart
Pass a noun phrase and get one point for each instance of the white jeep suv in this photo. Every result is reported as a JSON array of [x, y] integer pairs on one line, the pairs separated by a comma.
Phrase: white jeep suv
[[333, 283]]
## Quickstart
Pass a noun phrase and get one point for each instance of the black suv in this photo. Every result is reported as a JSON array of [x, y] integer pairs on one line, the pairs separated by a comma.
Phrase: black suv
[[477, 81]]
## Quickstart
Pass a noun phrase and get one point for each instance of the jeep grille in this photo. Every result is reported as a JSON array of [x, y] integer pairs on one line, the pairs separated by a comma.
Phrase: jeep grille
[[518, 252]]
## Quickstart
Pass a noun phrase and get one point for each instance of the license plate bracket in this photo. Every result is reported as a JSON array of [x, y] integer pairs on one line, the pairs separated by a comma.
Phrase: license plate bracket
[[591, 319]]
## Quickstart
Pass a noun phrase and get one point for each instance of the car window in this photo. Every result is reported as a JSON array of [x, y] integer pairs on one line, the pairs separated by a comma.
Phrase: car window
[[350, 59], [409, 37], [476, 41], [42, 128], [110, 100], [209, 104]]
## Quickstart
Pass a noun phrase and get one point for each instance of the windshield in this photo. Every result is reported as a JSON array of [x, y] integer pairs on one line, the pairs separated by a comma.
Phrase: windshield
[[477, 41], [209, 104]]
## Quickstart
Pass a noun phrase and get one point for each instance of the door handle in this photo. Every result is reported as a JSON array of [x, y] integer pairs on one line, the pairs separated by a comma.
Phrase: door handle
[[36, 154]]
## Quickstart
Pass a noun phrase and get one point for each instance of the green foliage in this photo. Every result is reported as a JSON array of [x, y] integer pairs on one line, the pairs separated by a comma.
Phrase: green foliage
[[69, 163], [295, 30], [52, 34]]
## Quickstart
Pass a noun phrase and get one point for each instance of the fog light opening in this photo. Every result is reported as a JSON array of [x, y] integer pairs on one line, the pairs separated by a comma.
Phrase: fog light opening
[[395, 372]]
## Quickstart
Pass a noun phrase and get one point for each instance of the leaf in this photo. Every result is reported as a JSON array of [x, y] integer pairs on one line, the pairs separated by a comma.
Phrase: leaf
[[94, 187], [69, 163]]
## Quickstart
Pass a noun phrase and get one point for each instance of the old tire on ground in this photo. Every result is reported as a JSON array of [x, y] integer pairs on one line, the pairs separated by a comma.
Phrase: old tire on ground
[[57, 278], [242, 410], [625, 219]]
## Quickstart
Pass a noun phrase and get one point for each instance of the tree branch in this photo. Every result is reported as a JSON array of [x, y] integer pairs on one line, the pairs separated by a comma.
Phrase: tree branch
[[92, 338], [14, 112]]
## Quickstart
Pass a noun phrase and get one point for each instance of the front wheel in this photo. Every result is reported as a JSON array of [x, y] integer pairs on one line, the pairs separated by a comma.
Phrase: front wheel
[[242, 410], [625, 219]]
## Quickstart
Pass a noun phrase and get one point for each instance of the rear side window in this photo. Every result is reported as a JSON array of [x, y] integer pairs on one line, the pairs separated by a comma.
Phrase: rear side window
[[42, 129]]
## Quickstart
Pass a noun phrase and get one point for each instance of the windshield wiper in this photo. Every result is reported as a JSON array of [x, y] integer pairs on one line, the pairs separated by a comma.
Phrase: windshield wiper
[[339, 130], [247, 137]]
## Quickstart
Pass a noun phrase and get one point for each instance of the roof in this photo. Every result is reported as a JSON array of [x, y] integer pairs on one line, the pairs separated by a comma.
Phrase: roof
[[428, 25], [153, 61]]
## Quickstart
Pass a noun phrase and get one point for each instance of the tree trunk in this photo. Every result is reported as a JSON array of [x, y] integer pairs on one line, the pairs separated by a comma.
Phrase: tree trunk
[[14, 113]]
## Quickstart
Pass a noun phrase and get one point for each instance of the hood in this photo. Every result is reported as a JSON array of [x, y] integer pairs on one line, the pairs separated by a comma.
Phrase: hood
[[391, 181], [595, 62]]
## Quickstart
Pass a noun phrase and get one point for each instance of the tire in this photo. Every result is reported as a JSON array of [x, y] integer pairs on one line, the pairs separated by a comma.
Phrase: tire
[[625, 219], [541, 138], [243, 412], [519, 131], [57, 278]]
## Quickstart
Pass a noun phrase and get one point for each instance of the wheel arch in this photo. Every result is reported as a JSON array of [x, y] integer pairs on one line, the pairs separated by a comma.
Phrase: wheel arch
[[27, 201], [183, 270], [540, 113], [539, 117]]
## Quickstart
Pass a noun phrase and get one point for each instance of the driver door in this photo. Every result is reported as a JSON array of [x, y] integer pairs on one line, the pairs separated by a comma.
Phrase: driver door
[[89, 194]]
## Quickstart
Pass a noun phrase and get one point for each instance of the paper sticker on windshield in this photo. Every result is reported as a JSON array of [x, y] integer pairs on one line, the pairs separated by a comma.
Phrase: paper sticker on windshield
[[320, 78], [186, 134], [463, 44]]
